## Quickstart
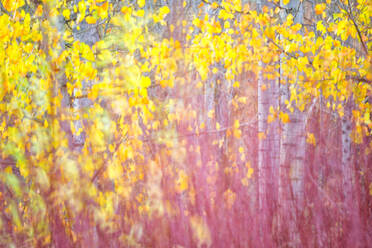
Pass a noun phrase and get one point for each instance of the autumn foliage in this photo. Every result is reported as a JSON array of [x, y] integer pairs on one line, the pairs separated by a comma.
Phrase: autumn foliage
[[201, 123]]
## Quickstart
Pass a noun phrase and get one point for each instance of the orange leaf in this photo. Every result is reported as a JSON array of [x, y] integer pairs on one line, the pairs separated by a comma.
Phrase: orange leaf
[[319, 8]]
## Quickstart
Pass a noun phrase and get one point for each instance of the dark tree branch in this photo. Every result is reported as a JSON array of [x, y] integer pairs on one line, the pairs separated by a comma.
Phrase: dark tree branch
[[348, 11]]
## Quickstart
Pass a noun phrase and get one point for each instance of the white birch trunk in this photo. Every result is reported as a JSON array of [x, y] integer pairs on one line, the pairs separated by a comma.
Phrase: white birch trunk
[[268, 151], [292, 155], [351, 204]]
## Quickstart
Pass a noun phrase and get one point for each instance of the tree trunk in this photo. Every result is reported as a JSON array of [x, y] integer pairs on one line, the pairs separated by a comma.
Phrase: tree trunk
[[349, 182], [292, 156], [268, 151]]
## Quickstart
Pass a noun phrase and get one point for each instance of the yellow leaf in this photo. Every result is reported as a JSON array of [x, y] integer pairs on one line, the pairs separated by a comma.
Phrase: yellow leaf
[[340, 110], [250, 172], [82, 7], [272, 110], [211, 114], [311, 139], [284, 117], [320, 27], [11, 5], [111, 147], [367, 119], [86, 52], [224, 15], [236, 124], [261, 135], [270, 33], [163, 11], [202, 125], [285, 2], [114, 170], [270, 118], [66, 14], [237, 133], [230, 197], [244, 181], [126, 10], [102, 10], [145, 82], [90, 20], [214, 5], [319, 8], [39, 10], [141, 3], [140, 13], [218, 126], [182, 182], [8, 170], [105, 56], [171, 28], [242, 100]]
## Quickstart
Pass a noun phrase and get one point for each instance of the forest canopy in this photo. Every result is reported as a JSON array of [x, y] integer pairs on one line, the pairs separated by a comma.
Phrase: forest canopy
[[195, 123]]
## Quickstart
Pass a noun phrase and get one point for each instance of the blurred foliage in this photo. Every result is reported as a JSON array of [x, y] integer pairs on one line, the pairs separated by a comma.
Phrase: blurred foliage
[[121, 94]]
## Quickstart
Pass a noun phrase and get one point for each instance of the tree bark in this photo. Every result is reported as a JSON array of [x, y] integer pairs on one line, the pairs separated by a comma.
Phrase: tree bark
[[268, 151], [292, 155], [351, 204]]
